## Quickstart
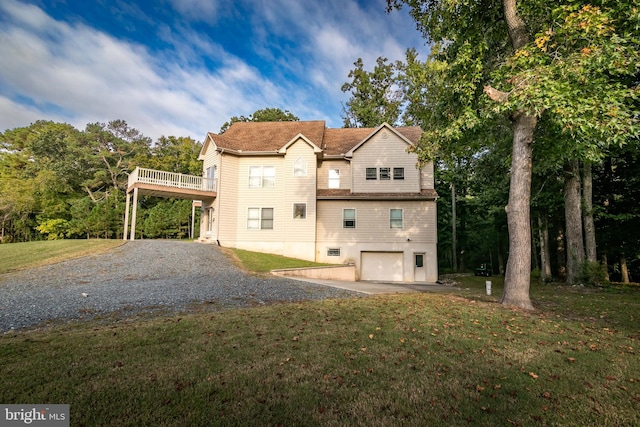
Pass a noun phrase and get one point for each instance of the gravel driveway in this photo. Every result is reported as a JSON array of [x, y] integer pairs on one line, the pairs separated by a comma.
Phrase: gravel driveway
[[142, 276]]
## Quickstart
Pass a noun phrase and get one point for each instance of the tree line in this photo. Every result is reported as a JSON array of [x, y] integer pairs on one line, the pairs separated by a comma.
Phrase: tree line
[[60, 182], [531, 111]]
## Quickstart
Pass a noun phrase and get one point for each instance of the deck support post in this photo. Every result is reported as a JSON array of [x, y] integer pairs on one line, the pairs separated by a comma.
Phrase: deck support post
[[193, 220], [126, 217], [134, 214]]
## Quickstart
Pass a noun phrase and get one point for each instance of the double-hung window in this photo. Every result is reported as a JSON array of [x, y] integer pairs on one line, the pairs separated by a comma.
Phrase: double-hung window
[[349, 218], [262, 176], [396, 219], [300, 167], [372, 173], [334, 178], [385, 174], [260, 219], [398, 173]]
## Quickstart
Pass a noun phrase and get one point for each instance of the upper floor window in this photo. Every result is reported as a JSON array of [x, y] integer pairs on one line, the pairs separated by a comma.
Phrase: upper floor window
[[395, 219], [385, 173], [372, 173], [334, 178], [349, 218], [260, 219], [300, 167], [262, 176], [398, 173], [299, 210]]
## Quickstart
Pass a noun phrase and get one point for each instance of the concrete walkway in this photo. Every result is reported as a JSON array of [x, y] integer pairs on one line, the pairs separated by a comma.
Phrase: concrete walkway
[[374, 288]]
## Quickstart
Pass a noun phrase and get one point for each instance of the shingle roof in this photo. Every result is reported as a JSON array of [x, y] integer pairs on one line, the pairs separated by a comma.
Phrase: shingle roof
[[271, 136]]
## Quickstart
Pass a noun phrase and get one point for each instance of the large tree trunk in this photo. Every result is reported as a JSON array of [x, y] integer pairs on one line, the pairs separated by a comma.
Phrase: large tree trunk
[[454, 237], [587, 202], [545, 254], [624, 270], [573, 220], [518, 273]]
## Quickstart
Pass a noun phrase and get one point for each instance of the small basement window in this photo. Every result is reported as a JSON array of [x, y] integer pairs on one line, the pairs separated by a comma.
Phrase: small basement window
[[333, 252]]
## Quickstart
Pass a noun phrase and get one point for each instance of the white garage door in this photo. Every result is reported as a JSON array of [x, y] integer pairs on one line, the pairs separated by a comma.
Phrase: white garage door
[[382, 266]]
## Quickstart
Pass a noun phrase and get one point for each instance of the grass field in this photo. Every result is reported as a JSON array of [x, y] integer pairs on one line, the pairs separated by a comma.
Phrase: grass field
[[17, 256], [451, 359]]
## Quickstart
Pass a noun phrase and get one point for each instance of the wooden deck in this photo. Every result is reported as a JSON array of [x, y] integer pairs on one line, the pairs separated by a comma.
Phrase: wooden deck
[[150, 182]]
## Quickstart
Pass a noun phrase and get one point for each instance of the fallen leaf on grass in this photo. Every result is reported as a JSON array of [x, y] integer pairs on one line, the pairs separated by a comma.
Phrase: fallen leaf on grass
[[533, 375]]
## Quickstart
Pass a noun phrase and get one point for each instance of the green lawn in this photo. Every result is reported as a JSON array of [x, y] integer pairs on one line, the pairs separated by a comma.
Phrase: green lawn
[[17, 256], [451, 359], [264, 263]]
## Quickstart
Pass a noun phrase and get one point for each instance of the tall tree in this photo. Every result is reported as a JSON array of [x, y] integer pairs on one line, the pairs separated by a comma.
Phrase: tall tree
[[262, 115], [524, 61], [375, 97]]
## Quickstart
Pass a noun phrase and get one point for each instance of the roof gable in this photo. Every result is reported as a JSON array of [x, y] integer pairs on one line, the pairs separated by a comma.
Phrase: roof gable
[[277, 137]]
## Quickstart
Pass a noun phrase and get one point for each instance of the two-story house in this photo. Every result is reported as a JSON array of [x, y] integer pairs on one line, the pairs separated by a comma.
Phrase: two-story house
[[302, 190]]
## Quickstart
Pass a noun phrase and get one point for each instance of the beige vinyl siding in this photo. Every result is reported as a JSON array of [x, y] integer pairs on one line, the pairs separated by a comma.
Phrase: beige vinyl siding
[[372, 222], [299, 234], [345, 173], [427, 177], [227, 199], [384, 150]]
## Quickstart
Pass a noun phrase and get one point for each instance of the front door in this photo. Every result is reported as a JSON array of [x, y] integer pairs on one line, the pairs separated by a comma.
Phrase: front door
[[419, 273]]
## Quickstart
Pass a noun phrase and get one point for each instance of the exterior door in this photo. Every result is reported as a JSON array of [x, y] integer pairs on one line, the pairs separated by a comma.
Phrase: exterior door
[[419, 270]]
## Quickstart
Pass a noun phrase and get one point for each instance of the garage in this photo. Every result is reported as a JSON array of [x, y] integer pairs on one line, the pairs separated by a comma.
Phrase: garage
[[381, 266]]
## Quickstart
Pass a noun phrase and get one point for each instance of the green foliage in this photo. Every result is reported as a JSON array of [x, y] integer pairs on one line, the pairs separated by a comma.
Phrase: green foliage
[[375, 97], [54, 229], [57, 181], [263, 115], [593, 274]]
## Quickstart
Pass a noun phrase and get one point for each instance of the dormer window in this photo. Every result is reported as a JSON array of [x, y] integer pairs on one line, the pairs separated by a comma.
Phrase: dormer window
[[300, 167], [334, 178]]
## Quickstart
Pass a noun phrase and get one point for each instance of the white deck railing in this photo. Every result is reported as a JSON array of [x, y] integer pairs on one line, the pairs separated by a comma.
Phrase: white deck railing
[[171, 179]]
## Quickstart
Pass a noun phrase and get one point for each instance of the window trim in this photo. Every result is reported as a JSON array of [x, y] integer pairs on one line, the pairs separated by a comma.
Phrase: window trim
[[344, 220], [385, 174], [334, 252], [260, 178], [260, 220], [300, 167], [334, 178], [304, 212], [398, 173], [371, 174], [393, 222]]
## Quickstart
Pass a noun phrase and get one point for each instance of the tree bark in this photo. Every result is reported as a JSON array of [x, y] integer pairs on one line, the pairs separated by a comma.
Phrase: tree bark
[[573, 221], [624, 270], [545, 254], [561, 254], [518, 272], [454, 237], [587, 202], [605, 267]]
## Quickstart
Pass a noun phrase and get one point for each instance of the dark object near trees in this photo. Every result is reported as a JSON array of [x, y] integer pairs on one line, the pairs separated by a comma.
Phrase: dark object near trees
[[484, 270]]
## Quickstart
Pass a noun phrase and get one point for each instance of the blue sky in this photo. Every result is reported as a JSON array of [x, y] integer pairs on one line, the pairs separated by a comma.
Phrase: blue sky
[[184, 67]]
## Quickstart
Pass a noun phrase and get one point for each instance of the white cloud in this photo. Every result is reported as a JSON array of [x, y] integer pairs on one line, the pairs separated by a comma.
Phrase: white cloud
[[71, 72]]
